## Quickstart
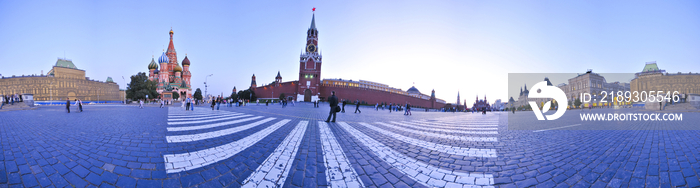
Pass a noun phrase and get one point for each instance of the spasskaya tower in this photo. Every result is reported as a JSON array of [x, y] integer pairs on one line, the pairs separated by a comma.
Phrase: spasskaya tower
[[310, 66]]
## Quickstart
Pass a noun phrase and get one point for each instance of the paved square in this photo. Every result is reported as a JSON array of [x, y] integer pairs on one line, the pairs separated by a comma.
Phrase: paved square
[[271, 146]]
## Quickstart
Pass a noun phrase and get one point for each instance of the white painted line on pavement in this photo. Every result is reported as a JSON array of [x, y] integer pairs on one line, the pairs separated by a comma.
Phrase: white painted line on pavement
[[339, 172], [481, 128], [458, 125], [475, 130], [201, 121], [188, 161], [188, 128], [437, 135], [471, 152], [209, 117], [275, 169], [556, 128], [419, 171], [214, 134]]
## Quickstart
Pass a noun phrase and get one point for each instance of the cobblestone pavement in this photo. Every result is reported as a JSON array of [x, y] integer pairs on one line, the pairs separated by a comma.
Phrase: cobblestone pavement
[[268, 146]]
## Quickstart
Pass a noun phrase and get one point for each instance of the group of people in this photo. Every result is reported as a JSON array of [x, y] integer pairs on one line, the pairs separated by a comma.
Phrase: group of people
[[188, 104], [10, 99], [340, 107], [78, 103], [284, 102], [357, 106], [216, 102]]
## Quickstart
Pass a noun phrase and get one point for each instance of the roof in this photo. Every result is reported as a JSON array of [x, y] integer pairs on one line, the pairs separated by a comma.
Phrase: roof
[[413, 89], [65, 63], [278, 75], [186, 61], [109, 79], [650, 67], [313, 22]]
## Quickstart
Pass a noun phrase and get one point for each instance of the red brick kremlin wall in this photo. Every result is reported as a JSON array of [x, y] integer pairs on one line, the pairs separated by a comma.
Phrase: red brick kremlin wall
[[288, 88], [374, 96], [343, 92]]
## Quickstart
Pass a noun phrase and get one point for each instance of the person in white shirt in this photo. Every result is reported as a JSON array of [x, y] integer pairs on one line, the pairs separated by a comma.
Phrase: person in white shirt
[[140, 103]]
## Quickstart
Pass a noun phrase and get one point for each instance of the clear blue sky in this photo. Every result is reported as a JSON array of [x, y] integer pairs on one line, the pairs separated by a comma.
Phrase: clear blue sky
[[469, 46]]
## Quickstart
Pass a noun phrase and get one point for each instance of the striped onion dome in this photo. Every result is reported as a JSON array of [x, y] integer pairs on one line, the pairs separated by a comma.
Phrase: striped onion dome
[[163, 58], [153, 64], [186, 62], [177, 68]]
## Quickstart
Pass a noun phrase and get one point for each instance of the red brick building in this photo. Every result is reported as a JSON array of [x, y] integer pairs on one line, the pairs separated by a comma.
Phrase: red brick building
[[309, 87]]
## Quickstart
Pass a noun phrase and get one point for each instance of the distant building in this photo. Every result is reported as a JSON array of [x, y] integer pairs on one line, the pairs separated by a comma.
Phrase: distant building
[[310, 87], [651, 78], [481, 104], [63, 81], [593, 84]]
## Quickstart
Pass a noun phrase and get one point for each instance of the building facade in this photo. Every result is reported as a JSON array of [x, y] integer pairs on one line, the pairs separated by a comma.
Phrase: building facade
[[171, 77], [654, 79], [63, 81], [310, 87]]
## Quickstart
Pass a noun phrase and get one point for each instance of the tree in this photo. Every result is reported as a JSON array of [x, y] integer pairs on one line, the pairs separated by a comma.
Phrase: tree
[[198, 94], [281, 96], [234, 96], [176, 95], [247, 94], [577, 103], [140, 86]]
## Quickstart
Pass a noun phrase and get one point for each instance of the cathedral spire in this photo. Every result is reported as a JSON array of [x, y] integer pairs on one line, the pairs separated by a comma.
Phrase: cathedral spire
[[172, 54]]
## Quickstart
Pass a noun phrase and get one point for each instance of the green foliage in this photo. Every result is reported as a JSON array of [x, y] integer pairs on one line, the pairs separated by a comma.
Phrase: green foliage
[[176, 95], [247, 94], [577, 103], [198, 94], [140, 86], [281, 96], [234, 96]]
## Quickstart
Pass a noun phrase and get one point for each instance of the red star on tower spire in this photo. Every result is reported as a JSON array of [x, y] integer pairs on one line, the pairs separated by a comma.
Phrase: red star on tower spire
[[313, 9]]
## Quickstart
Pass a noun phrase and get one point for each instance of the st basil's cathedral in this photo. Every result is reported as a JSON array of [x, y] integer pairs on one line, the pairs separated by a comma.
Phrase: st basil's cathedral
[[171, 77]]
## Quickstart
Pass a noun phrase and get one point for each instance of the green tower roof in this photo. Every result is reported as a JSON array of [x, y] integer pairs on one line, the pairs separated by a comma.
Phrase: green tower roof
[[649, 67], [65, 63]]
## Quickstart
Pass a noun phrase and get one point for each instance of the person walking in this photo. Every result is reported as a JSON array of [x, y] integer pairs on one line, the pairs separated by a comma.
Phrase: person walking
[[390, 107], [187, 105], [344, 102], [162, 102], [68, 104], [357, 106], [140, 103], [213, 103], [192, 106], [408, 109], [333, 100], [80, 105]]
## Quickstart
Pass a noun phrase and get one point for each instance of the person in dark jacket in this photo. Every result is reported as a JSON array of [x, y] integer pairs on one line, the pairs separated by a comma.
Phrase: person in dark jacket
[[68, 105], [344, 102], [333, 100], [357, 106]]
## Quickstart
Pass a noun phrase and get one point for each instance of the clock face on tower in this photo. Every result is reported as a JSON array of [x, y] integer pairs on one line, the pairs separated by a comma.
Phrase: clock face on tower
[[311, 48]]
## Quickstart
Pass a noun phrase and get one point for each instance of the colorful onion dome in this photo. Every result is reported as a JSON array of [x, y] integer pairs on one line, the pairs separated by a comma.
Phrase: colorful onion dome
[[163, 58], [153, 64], [177, 68], [156, 72], [186, 62]]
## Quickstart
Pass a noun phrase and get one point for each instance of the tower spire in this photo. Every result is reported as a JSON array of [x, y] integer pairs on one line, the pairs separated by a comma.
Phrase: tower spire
[[313, 20]]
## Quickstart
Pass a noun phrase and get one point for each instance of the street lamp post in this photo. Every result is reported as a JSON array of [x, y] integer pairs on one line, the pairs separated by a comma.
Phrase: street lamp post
[[205, 84], [124, 89]]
